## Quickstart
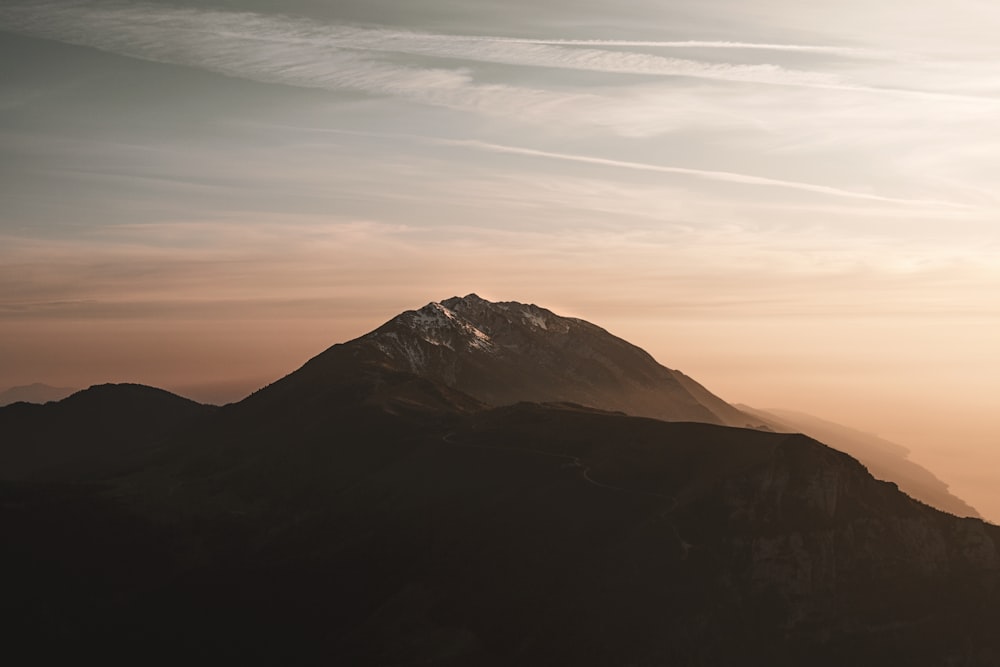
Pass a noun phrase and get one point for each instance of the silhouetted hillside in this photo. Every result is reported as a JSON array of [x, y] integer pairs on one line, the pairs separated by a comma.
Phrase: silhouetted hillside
[[390, 521], [98, 424], [356, 512]]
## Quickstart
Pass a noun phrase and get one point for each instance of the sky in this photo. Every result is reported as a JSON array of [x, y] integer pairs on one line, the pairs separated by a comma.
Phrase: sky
[[794, 203]]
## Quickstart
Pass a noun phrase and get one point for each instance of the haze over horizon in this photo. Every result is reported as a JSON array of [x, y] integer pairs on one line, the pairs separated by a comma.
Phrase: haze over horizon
[[792, 204]]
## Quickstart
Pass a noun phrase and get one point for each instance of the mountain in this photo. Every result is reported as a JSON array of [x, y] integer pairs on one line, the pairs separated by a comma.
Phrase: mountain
[[885, 460], [34, 393], [507, 352], [102, 423], [503, 353], [356, 512]]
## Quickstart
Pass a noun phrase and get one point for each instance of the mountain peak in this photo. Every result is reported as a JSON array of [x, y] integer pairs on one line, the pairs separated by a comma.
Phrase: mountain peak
[[501, 315], [415, 337], [432, 315], [505, 352]]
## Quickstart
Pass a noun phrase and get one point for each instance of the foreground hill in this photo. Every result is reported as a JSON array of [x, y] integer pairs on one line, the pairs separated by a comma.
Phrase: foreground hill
[[357, 513], [92, 427]]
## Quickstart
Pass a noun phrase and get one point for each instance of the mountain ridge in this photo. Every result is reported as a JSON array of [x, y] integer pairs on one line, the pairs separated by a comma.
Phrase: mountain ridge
[[36, 392]]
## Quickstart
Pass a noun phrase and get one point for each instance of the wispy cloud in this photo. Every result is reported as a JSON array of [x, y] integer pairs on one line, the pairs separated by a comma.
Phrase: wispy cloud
[[311, 54], [712, 175], [793, 117], [841, 51], [302, 52], [190, 267], [271, 50], [545, 53]]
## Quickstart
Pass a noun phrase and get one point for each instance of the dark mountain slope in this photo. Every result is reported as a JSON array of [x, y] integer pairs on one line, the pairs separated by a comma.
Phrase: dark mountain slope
[[346, 376], [388, 522], [96, 425]]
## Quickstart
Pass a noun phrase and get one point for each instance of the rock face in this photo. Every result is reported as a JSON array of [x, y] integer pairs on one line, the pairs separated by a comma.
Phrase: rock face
[[884, 459], [834, 550]]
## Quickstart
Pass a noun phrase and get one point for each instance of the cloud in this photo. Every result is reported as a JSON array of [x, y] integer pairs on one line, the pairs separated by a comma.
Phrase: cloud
[[842, 51], [311, 54], [544, 53], [254, 258], [307, 53], [271, 50], [712, 175]]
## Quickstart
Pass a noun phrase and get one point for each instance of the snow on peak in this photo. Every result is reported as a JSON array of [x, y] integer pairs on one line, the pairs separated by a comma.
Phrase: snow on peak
[[438, 325], [529, 315], [432, 316], [535, 320], [489, 315]]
